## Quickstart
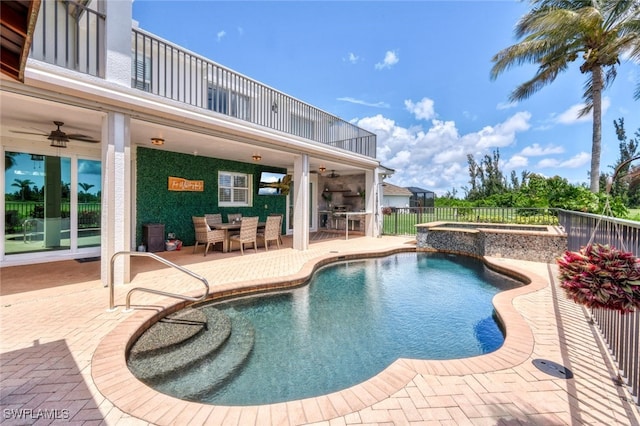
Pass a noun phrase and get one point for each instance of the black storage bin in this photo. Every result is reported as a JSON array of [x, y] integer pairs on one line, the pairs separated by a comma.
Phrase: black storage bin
[[153, 236]]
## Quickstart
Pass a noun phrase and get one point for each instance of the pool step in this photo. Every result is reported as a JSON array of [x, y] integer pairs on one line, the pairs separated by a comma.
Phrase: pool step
[[150, 359], [170, 331], [209, 374]]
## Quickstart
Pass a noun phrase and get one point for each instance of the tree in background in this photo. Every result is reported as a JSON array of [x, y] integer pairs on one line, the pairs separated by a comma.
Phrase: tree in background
[[486, 178], [25, 187], [622, 185], [532, 191], [555, 33], [85, 190]]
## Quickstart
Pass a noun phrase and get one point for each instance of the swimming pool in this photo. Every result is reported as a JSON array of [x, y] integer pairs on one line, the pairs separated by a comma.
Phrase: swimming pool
[[352, 321]]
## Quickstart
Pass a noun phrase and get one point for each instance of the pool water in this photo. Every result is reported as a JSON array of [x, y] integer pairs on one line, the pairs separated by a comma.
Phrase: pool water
[[354, 319]]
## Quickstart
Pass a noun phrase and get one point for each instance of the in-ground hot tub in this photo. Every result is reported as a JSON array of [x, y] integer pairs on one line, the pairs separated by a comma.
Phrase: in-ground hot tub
[[538, 243]]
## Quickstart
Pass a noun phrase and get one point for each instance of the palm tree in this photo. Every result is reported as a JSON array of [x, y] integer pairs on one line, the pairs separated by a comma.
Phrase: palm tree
[[9, 159], [86, 187], [557, 32], [23, 184]]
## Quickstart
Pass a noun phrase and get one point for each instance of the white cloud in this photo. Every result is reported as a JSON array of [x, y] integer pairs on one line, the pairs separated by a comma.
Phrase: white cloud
[[390, 59], [220, 35], [361, 102], [353, 58], [503, 134], [516, 162], [506, 105], [240, 31], [469, 115], [574, 162], [536, 150], [570, 116], [423, 110], [436, 158]]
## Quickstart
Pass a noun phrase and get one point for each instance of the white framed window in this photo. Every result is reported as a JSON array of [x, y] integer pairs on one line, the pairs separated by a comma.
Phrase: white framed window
[[141, 73], [302, 126], [234, 189], [228, 102]]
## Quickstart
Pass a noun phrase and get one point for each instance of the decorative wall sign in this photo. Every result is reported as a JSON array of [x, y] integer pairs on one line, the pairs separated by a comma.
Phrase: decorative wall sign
[[180, 184]]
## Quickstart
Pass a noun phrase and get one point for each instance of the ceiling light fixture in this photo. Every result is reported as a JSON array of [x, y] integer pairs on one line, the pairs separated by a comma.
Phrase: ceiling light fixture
[[256, 157], [322, 169], [157, 141], [58, 138]]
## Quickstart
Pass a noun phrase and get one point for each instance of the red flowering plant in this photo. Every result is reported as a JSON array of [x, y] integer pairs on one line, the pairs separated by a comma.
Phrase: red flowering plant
[[600, 276]]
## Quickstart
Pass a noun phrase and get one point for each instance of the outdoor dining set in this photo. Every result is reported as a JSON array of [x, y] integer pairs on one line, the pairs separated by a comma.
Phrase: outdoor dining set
[[210, 230]]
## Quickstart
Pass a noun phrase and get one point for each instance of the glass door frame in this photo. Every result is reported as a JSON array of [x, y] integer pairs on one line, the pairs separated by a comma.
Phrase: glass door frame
[[73, 250], [313, 205]]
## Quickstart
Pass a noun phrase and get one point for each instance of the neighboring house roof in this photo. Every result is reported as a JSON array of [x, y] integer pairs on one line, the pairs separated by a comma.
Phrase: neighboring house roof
[[416, 190], [390, 189]]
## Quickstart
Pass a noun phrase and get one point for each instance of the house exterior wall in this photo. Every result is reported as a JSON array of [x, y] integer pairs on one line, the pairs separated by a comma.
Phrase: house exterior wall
[[395, 201], [156, 204], [98, 91]]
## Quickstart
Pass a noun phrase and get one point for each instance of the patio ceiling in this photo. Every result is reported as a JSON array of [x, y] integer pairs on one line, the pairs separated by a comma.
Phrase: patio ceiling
[[36, 115]]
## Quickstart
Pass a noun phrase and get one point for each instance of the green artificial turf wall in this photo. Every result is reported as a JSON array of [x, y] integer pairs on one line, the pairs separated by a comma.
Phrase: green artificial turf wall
[[156, 204]]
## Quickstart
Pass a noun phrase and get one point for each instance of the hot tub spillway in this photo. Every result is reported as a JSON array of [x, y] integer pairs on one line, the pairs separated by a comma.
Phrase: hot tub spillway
[[192, 353]]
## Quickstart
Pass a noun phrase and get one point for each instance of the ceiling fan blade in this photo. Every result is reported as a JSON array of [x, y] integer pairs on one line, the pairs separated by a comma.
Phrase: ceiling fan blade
[[28, 133], [83, 138]]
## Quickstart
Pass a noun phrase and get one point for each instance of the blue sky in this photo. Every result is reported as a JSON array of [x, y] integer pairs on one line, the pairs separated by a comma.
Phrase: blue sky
[[416, 73]]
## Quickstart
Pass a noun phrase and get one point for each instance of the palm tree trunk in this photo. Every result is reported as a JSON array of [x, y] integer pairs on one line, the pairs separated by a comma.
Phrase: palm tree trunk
[[596, 141]]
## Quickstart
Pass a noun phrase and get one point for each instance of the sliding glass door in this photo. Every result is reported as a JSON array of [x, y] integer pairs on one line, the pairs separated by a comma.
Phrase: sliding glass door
[[313, 205], [51, 203]]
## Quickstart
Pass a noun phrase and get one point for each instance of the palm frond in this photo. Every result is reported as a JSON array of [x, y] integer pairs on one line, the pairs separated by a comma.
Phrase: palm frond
[[587, 96], [543, 77]]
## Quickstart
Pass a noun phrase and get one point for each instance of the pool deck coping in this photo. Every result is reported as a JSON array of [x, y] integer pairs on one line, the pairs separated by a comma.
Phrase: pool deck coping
[[476, 227]]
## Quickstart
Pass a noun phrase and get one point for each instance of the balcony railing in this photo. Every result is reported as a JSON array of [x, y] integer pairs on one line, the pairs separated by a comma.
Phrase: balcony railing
[[71, 35], [166, 70]]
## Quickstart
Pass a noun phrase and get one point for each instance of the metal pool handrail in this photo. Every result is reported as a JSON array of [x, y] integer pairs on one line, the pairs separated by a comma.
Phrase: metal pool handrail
[[149, 290]]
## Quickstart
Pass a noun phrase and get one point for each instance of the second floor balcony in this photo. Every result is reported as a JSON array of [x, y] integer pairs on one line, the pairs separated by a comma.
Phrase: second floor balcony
[[72, 35]]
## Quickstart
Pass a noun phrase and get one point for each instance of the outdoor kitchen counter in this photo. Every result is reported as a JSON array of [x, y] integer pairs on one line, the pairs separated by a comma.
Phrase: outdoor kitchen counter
[[350, 218]]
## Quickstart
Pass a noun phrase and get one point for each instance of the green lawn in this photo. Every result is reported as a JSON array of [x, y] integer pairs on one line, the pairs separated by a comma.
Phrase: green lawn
[[634, 214]]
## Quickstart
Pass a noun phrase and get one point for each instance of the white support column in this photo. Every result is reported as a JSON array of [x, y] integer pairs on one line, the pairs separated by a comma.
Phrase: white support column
[[116, 195], [301, 202], [370, 202], [118, 41]]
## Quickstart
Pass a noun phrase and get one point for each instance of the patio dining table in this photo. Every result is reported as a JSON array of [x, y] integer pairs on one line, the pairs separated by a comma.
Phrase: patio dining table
[[227, 227]]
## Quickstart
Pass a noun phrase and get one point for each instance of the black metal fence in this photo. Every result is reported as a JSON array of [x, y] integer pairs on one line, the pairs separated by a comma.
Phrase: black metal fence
[[17, 212], [71, 35], [402, 220], [621, 332]]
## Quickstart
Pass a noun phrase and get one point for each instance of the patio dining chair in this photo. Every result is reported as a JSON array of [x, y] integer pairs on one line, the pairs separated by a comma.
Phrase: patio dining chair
[[205, 235], [213, 219], [271, 231], [248, 234], [281, 216]]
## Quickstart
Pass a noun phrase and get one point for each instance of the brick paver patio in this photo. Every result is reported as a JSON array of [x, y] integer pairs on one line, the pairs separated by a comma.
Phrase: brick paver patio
[[62, 353]]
